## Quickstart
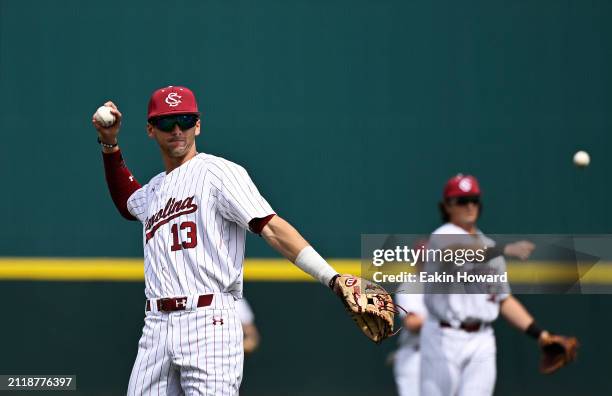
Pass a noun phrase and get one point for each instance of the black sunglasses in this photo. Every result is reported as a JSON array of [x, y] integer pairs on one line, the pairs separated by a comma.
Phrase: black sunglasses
[[166, 124], [463, 201]]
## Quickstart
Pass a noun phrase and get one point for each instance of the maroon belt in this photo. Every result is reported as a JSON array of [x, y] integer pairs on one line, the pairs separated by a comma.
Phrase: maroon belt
[[178, 303], [470, 327]]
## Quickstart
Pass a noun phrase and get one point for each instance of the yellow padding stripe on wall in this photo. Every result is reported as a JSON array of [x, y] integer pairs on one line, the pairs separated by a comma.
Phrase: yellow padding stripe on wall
[[71, 269], [130, 270]]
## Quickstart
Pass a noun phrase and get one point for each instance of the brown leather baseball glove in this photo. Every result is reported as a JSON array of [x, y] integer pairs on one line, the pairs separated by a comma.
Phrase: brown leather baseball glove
[[556, 352], [370, 306]]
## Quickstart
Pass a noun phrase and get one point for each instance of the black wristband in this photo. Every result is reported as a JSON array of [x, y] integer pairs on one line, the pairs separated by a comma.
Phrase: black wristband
[[533, 330], [332, 281], [106, 145]]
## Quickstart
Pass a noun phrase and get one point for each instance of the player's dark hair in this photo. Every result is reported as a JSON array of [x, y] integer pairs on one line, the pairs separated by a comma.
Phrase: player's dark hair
[[443, 213], [446, 217]]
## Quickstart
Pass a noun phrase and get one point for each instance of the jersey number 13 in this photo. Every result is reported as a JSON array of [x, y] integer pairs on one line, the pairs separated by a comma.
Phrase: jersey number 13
[[192, 236]]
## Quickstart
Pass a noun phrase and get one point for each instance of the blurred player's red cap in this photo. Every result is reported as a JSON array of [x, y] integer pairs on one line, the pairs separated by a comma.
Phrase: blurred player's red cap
[[172, 100], [461, 186]]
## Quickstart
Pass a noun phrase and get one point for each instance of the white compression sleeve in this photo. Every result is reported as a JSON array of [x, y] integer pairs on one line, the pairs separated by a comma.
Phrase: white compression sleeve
[[311, 262]]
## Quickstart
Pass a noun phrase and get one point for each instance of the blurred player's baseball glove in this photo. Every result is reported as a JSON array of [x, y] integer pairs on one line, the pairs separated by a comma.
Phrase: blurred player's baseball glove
[[557, 351], [370, 306]]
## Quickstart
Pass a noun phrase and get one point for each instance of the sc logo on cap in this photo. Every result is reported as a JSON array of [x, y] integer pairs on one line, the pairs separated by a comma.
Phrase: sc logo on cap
[[173, 99], [465, 185]]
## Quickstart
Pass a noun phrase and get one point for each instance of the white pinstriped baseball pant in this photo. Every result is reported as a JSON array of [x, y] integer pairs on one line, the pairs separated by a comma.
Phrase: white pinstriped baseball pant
[[406, 370], [193, 352], [457, 363]]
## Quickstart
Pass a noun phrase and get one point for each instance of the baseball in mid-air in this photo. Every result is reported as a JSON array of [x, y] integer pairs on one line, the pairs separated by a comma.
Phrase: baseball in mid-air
[[104, 116], [582, 159]]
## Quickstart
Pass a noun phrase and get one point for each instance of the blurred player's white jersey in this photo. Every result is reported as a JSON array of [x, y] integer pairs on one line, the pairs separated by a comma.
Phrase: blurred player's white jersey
[[456, 308], [244, 311], [407, 361], [455, 361], [194, 220]]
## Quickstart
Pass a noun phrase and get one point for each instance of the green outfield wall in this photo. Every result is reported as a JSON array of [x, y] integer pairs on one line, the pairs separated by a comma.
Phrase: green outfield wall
[[349, 116]]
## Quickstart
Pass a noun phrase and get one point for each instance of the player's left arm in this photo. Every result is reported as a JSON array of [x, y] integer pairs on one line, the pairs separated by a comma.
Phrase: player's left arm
[[368, 304], [517, 315], [556, 350], [286, 240]]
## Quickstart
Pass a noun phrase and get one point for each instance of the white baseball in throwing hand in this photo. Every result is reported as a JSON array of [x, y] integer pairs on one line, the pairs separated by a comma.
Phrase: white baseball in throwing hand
[[104, 116]]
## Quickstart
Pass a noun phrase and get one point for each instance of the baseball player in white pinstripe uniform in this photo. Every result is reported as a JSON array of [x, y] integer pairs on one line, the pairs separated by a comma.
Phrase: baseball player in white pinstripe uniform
[[458, 351], [194, 217], [247, 319], [407, 358]]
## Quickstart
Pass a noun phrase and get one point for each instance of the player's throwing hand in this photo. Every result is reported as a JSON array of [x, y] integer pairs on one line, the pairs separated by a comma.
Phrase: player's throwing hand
[[520, 249], [108, 135]]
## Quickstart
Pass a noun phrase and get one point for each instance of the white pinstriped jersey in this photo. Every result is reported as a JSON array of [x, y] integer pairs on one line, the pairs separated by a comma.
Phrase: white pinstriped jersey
[[245, 313], [194, 227], [460, 307]]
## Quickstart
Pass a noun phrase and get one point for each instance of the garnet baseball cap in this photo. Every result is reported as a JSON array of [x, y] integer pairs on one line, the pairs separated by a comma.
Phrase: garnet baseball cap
[[172, 100], [461, 186]]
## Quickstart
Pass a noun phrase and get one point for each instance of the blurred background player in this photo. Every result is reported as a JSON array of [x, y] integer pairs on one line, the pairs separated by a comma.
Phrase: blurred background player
[[407, 359], [250, 333], [458, 350]]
